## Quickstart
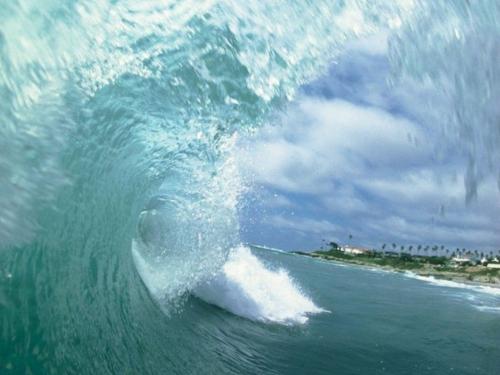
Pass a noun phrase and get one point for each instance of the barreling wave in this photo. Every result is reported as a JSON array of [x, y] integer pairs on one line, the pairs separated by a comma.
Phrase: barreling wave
[[119, 115], [118, 121]]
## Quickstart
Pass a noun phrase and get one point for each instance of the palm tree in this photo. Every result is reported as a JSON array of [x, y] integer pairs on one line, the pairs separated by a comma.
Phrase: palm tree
[[334, 245], [435, 249]]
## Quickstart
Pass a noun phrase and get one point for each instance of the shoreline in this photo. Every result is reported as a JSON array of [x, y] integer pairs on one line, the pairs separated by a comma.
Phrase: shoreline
[[427, 271]]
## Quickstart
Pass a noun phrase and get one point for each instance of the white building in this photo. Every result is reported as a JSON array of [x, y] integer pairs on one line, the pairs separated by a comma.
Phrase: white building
[[462, 260], [354, 250]]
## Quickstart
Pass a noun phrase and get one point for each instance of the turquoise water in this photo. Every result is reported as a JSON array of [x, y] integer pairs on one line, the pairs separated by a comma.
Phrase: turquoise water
[[378, 323], [387, 323], [120, 188]]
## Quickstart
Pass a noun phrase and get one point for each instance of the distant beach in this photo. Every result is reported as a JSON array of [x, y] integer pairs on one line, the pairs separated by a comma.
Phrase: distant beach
[[422, 267]]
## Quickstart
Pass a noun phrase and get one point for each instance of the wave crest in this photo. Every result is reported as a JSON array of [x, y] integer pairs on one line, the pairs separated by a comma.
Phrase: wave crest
[[248, 288]]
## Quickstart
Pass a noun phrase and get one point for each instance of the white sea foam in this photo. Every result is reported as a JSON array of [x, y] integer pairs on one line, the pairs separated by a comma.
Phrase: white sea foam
[[246, 287], [453, 284], [267, 248]]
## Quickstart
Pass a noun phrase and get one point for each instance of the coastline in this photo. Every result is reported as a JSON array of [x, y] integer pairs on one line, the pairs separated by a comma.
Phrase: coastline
[[427, 272]]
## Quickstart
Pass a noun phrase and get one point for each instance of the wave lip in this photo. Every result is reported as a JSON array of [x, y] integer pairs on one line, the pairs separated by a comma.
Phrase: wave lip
[[246, 287]]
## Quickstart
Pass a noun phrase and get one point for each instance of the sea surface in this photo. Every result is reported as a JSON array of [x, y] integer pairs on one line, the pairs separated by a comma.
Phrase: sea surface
[[366, 322]]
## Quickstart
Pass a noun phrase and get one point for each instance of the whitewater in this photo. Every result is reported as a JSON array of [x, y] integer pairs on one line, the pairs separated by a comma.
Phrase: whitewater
[[120, 185]]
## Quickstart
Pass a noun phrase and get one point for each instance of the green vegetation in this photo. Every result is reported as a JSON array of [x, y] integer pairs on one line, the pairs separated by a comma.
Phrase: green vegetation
[[400, 261], [432, 265]]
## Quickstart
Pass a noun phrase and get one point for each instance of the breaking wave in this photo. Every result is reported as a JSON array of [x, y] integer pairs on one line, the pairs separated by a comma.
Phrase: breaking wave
[[118, 125], [454, 284], [246, 287]]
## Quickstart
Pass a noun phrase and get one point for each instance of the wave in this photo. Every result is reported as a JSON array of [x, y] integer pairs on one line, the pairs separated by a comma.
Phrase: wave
[[273, 249], [119, 126], [121, 117], [454, 284], [119, 122], [484, 298], [246, 287]]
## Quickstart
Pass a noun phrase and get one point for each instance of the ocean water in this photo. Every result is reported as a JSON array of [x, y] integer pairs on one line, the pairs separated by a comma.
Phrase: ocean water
[[120, 188], [362, 321]]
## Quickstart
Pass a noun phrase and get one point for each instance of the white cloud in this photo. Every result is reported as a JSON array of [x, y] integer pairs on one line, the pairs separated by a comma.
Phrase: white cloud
[[325, 139], [363, 169], [357, 156]]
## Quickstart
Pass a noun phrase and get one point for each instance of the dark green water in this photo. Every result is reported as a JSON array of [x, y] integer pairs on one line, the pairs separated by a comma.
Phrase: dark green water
[[379, 323]]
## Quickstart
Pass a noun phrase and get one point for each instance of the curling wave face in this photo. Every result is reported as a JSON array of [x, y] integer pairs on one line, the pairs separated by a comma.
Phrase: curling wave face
[[108, 105], [117, 126]]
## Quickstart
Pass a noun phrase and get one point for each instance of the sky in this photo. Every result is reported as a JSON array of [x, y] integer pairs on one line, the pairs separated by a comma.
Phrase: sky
[[355, 159]]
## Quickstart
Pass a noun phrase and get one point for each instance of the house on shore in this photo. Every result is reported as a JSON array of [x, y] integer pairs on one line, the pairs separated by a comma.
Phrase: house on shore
[[494, 263], [463, 261], [354, 250]]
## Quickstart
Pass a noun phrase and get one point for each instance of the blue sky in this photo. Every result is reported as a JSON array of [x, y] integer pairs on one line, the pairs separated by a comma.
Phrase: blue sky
[[357, 156]]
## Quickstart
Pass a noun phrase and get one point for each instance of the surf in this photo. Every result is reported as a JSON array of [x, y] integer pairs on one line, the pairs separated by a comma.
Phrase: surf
[[119, 127], [246, 287]]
